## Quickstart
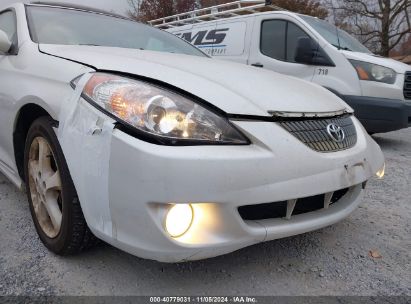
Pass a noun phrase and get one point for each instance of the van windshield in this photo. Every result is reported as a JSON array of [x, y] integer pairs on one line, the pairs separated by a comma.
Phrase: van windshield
[[52, 25], [342, 41]]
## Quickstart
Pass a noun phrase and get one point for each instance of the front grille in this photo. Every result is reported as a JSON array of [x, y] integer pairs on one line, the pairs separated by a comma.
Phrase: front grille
[[407, 85], [279, 209], [313, 133]]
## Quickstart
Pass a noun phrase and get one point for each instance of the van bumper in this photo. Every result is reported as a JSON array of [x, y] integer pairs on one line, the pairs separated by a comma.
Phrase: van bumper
[[379, 115]]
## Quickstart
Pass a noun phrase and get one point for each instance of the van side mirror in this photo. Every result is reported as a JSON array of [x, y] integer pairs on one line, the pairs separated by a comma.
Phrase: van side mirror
[[309, 52], [305, 50], [5, 43]]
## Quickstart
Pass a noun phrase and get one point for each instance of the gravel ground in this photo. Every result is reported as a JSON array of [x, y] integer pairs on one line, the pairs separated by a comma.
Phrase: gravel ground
[[332, 261]]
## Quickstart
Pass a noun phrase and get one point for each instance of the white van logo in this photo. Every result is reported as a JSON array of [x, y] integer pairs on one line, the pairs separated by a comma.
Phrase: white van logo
[[215, 39], [205, 38]]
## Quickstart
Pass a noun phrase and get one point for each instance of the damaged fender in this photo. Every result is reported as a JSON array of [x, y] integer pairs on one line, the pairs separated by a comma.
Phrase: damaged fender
[[85, 136]]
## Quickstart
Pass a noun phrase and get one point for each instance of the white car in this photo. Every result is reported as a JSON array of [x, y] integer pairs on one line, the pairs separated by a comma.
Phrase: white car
[[128, 133]]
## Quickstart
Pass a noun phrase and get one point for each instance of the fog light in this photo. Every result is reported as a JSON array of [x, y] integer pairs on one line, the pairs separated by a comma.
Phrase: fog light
[[380, 173], [179, 219]]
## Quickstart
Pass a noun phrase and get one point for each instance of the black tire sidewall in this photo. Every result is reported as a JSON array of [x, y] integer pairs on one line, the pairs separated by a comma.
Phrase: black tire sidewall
[[43, 127]]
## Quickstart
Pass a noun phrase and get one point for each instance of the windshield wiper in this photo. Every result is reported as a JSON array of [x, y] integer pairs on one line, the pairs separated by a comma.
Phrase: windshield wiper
[[342, 48]]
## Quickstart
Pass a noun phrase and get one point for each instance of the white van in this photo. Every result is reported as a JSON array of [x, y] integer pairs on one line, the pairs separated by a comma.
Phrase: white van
[[379, 89]]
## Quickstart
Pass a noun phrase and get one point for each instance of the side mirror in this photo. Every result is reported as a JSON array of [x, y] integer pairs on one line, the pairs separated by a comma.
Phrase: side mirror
[[306, 50], [5, 43], [309, 52]]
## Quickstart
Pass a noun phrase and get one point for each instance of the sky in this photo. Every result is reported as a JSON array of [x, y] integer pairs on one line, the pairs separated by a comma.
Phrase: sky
[[118, 6]]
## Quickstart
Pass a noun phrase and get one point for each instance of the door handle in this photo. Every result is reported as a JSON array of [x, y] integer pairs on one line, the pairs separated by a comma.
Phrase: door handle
[[258, 65]]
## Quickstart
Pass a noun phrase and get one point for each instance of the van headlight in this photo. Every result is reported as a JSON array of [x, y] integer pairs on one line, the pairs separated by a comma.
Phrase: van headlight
[[374, 72], [158, 114]]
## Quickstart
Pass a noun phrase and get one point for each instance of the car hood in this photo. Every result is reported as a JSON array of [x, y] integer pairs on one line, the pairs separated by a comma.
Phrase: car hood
[[397, 66], [234, 88]]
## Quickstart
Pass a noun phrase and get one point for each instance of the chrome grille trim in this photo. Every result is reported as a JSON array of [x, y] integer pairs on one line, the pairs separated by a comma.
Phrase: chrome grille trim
[[407, 85], [313, 133]]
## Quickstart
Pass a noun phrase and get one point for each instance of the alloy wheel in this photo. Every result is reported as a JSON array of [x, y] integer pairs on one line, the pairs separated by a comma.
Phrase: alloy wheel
[[45, 187]]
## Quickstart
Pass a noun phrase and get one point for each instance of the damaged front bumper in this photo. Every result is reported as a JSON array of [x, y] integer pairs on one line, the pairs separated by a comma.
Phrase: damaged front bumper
[[125, 185]]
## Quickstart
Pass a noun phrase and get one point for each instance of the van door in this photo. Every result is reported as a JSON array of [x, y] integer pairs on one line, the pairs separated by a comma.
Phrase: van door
[[230, 40], [274, 47]]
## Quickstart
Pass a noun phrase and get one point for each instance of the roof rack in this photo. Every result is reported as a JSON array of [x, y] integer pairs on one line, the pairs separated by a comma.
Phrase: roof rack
[[227, 10]]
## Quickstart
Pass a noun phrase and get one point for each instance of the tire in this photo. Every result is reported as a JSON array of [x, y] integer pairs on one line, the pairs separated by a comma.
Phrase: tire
[[53, 200]]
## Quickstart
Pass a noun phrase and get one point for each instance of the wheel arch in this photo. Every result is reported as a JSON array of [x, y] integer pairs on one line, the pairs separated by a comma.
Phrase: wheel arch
[[24, 119]]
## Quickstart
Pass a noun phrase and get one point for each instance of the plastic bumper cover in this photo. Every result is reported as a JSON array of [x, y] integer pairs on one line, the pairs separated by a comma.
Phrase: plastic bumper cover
[[379, 115], [144, 178]]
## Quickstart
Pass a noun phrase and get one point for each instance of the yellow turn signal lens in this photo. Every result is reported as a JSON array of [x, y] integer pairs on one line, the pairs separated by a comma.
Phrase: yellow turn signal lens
[[179, 219], [362, 74]]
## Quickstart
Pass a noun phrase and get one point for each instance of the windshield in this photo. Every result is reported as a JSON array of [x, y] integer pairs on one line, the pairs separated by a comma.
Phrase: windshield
[[51, 25], [343, 40]]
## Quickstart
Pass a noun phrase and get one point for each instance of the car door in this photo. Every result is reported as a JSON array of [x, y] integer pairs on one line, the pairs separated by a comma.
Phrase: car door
[[8, 25], [275, 44]]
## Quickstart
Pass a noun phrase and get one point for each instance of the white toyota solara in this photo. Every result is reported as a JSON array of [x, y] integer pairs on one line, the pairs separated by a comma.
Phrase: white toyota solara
[[127, 133]]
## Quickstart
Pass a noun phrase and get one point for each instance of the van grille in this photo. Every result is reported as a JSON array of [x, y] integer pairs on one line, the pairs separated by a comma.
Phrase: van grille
[[407, 86], [314, 134]]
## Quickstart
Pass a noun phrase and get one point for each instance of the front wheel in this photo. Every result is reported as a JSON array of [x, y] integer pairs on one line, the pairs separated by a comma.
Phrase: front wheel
[[53, 200]]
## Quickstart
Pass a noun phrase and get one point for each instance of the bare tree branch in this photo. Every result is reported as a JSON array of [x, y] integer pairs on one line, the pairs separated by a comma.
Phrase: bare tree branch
[[381, 24]]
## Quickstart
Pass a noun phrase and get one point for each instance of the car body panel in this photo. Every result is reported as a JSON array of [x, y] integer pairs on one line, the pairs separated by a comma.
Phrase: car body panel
[[218, 82], [21, 85]]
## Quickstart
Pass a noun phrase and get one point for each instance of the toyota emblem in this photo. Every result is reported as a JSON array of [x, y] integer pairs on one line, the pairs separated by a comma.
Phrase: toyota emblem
[[336, 133]]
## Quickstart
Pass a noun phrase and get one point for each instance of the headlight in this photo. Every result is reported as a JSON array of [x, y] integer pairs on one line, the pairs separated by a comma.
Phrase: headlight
[[159, 114], [373, 72]]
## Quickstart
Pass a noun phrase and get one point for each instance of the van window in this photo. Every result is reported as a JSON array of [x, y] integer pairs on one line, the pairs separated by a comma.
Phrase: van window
[[8, 24], [279, 39], [273, 39], [337, 37], [294, 33]]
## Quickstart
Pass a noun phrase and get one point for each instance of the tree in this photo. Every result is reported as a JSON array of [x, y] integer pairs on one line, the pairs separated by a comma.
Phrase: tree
[[404, 49], [145, 10], [380, 24], [307, 7]]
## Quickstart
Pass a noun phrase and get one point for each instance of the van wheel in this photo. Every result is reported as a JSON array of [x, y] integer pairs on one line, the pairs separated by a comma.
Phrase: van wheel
[[53, 200]]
